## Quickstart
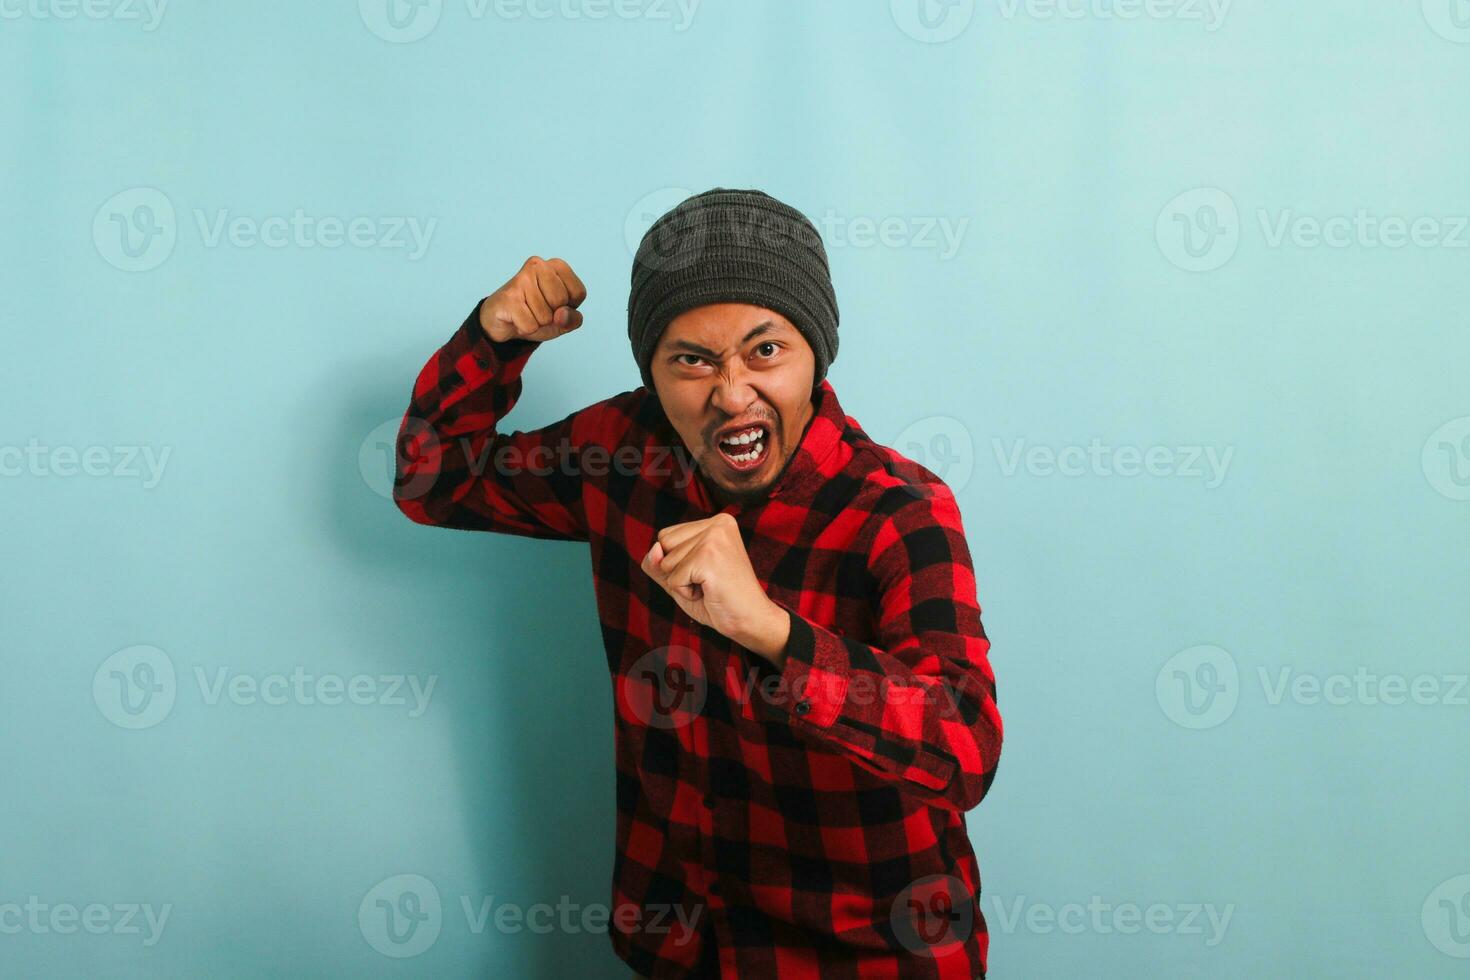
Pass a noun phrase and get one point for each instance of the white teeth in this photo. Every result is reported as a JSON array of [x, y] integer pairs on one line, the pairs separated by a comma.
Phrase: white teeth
[[744, 439], [753, 438], [751, 456]]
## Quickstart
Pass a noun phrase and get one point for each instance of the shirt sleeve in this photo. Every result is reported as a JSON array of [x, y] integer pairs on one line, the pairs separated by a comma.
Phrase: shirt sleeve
[[454, 469], [919, 708]]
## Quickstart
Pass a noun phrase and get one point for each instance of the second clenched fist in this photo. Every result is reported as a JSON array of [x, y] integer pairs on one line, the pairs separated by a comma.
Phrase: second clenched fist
[[538, 303]]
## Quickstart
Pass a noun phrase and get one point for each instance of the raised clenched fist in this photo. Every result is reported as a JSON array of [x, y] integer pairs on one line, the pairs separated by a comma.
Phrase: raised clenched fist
[[538, 303]]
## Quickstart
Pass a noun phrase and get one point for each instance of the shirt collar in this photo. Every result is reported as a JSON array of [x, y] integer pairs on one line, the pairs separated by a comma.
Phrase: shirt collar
[[805, 470]]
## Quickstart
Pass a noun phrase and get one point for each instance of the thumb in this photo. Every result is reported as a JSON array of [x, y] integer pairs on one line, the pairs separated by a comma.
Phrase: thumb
[[566, 318], [654, 556]]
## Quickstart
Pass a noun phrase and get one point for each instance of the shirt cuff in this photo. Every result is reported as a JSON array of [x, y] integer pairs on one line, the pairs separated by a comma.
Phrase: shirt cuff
[[812, 685], [813, 691]]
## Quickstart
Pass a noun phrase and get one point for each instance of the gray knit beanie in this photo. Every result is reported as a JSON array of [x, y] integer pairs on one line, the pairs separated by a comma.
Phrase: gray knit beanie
[[732, 246]]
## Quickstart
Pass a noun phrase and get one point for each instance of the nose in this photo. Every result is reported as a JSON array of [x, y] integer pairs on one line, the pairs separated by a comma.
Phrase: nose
[[732, 395]]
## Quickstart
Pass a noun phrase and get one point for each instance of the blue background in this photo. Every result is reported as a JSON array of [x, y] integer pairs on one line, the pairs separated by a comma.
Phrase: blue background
[[1116, 187]]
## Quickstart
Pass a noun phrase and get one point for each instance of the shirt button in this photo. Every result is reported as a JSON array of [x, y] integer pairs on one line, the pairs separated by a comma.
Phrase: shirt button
[[714, 888], [709, 802], [802, 707]]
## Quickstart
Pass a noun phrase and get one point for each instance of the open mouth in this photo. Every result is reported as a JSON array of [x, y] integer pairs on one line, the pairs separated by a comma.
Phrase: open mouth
[[746, 449]]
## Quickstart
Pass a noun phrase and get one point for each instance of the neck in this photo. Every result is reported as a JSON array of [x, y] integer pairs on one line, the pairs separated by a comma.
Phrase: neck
[[722, 498]]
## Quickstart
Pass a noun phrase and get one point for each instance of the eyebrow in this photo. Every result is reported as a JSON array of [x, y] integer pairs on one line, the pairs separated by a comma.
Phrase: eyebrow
[[688, 346]]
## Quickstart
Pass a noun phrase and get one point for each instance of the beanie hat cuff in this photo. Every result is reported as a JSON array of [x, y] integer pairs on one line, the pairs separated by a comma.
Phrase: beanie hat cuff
[[696, 293]]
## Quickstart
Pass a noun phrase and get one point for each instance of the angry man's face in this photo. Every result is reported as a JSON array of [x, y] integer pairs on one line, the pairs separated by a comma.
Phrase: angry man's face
[[735, 371]]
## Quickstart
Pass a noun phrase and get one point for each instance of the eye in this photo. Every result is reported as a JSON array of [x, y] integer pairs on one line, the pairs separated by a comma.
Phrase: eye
[[771, 344], [696, 357]]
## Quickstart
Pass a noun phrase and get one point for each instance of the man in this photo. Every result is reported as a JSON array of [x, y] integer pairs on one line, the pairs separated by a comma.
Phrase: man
[[804, 703]]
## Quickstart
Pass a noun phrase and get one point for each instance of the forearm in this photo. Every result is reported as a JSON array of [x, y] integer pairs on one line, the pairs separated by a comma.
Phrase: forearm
[[768, 634], [923, 716], [455, 469], [916, 705]]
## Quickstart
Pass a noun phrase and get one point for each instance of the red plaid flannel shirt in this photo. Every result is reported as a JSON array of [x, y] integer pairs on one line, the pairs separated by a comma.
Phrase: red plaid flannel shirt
[[812, 815]]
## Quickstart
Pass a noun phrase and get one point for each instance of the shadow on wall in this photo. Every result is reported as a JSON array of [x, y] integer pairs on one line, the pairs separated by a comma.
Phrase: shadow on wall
[[510, 625]]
